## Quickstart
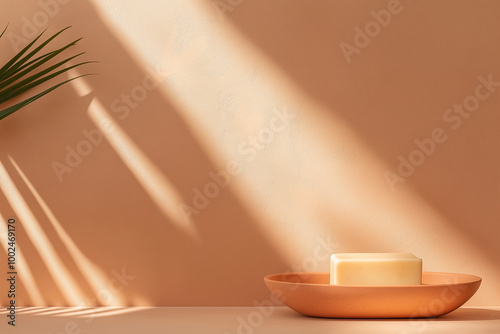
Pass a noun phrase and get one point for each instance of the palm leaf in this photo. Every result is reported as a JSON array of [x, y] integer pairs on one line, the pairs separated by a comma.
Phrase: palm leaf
[[27, 70], [23, 71], [30, 83], [17, 61], [3, 31], [6, 112]]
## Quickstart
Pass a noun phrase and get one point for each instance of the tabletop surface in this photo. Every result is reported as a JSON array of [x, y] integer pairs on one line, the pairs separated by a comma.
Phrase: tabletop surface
[[233, 320]]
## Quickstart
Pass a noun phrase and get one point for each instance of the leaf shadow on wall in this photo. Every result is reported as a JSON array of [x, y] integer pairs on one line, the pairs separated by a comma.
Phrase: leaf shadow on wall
[[106, 210], [397, 88]]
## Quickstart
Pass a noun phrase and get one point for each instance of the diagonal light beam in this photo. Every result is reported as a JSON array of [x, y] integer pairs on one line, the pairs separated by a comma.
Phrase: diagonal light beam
[[94, 276], [55, 266], [23, 270], [161, 191]]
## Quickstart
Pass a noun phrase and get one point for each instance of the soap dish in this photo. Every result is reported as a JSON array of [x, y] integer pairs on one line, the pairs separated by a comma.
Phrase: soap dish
[[312, 295]]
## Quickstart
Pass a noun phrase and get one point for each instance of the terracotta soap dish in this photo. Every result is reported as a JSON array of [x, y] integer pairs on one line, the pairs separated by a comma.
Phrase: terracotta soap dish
[[312, 295]]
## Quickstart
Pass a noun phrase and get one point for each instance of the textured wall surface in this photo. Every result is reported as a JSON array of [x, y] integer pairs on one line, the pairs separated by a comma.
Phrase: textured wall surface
[[221, 141]]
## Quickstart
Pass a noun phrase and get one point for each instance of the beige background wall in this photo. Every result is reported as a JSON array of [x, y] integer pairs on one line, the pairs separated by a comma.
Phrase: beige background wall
[[261, 89]]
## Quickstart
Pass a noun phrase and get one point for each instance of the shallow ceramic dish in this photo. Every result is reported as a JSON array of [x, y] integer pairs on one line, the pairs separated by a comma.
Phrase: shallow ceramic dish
[[312, 295]]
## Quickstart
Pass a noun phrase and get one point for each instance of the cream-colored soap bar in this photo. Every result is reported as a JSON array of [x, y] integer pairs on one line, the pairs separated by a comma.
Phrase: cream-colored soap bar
[[375, 269]]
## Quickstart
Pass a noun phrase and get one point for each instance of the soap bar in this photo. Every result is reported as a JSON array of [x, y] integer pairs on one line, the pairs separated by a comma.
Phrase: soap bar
[[375, 269]]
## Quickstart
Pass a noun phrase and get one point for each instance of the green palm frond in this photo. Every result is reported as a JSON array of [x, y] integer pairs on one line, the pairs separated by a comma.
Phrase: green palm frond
[[3, 31], [24, 71]]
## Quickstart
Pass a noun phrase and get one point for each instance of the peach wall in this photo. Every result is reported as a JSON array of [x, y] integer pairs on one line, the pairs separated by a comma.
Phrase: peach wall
[[285, 122]]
